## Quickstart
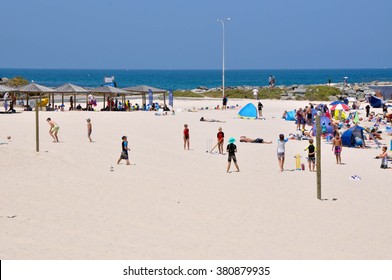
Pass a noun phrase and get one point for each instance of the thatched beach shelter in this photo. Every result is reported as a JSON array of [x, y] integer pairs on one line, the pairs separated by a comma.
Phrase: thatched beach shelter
[[71, 89], [110, 91], [143, 90]]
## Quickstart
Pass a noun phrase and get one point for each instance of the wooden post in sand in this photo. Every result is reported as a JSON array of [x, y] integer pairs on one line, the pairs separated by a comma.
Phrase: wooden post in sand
[[318, 155], [36, 126]]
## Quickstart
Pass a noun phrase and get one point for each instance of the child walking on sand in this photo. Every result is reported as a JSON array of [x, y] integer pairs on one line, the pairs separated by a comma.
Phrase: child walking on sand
[[232, 149], [186, 136], [384, 158], [337, 148], [281, 151], [124, 150], [53, 130], [89, 129], [311, 155]]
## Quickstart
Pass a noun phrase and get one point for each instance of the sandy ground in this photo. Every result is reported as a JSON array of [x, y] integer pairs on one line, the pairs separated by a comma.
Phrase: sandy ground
[[65, 203]]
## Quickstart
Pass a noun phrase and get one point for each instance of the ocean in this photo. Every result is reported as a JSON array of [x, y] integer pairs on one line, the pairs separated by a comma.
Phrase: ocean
[[190, 79]]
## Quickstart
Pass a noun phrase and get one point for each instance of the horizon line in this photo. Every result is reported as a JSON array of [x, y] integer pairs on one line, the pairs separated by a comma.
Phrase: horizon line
[[197, 69]]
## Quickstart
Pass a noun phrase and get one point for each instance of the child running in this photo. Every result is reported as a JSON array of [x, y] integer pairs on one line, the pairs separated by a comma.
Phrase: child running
[[337, 148], [232, 149], [53, 130], [124, 150], [89, 129], [186, 136], [281, 151], [311, 155]]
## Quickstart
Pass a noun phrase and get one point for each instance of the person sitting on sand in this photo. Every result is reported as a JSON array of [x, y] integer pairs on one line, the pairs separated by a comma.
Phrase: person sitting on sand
[[53, 130], [210, 120], [375, 135], [251, 140]]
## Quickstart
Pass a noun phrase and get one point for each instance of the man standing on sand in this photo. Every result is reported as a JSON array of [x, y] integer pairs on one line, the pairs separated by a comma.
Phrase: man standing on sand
[[337, 148], [224, 102], [53, 130]]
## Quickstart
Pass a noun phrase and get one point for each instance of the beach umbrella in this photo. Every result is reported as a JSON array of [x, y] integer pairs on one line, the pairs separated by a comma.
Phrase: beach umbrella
[[70, 89], [340, 107], [144, 89], [336, 102], [108, 90]]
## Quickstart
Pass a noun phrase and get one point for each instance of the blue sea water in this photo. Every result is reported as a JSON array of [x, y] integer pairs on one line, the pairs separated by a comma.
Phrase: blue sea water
[[189, 79]]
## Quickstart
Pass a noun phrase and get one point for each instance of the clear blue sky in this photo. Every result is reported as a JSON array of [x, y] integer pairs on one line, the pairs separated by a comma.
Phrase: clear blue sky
[[184, 34]]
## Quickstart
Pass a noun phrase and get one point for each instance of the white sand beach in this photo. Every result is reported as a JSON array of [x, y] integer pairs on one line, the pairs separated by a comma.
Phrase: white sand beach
[[65, 203]]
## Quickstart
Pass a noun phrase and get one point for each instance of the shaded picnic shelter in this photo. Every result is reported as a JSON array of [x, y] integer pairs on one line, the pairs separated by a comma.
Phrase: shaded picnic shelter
[[143, 90], [71, 89], [35, 89], [4, 88], [109, 90]]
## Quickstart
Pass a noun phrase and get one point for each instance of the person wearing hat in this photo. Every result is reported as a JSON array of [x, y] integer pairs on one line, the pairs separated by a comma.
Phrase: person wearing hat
[[89, 129], [232, 149], [124, 151]]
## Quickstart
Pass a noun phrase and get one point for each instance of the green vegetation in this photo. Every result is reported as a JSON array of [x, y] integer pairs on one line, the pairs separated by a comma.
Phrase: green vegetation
[[313, 93], [17, 82], [320, 93], [180, 93], [270, 93]]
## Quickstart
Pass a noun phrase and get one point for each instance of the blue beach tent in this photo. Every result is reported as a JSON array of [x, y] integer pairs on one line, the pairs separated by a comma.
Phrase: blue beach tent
[[248, 112], [290, 115], [348, 137], [375, 102], [326, 124]]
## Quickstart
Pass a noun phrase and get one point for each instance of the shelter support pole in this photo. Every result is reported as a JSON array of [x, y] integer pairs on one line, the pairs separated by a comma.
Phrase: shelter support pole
[[74, 102], [53, 101], [164, 99], [318, 155], [62, 99], [110, 101], [36, 126], [27, 100], [104, 100], [86, 101], [144, 100]]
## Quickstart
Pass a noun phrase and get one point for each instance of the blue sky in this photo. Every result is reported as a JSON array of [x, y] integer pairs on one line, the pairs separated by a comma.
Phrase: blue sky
[[184, 34]]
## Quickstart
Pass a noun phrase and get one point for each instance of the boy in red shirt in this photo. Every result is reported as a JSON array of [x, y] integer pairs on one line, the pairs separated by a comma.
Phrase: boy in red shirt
[[186, 136]]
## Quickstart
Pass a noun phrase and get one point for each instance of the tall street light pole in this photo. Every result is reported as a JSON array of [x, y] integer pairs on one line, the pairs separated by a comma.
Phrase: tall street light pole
[[223, 53]]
